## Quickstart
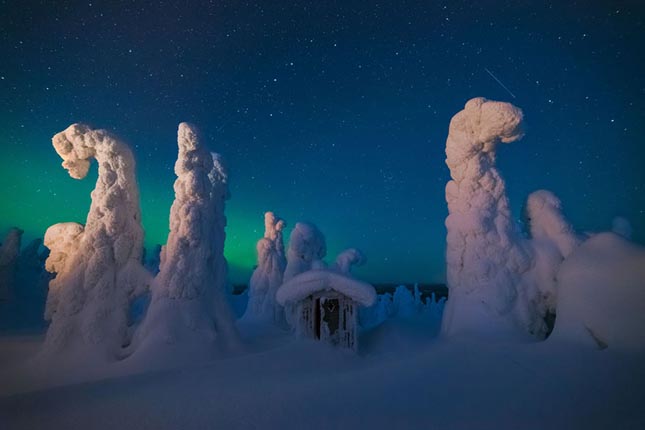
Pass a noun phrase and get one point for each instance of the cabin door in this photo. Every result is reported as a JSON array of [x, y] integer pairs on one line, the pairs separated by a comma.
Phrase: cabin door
[[331, 315]]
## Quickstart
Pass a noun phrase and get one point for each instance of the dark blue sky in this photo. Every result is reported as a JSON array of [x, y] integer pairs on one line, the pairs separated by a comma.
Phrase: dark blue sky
[[332, 112]]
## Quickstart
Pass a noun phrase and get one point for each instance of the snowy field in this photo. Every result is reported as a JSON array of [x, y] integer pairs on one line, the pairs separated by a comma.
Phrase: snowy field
[[403, 377]]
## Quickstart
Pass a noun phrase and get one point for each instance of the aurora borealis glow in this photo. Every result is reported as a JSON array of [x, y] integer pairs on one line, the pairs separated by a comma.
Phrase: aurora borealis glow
[[335, 113]]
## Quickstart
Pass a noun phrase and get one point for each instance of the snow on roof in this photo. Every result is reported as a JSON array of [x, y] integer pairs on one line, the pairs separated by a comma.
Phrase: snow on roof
[[312, 281]]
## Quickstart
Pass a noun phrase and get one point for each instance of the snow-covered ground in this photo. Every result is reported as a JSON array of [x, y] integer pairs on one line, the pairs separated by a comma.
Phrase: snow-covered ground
[[404, 377]]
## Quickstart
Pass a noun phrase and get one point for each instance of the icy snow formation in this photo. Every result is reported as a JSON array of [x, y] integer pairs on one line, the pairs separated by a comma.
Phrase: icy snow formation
[[601, 294], [306, 244], [99, 266], [307, 283], [267, 277], [9, 252], [188, 304]]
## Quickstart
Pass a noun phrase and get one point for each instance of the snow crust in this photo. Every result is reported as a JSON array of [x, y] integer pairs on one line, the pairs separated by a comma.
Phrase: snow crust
[[188, 308], [312, 281], [98, 266], [601, 297], [267, 277], [306, 245]]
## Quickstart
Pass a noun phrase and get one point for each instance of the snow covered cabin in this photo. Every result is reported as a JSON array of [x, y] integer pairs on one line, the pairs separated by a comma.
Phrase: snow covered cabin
[[326, 305]]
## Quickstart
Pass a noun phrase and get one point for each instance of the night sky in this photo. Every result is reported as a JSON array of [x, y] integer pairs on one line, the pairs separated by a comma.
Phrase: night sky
[[331, 112]]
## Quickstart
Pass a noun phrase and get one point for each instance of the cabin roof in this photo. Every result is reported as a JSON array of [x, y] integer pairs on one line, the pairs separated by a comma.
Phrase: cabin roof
[[312, 281]]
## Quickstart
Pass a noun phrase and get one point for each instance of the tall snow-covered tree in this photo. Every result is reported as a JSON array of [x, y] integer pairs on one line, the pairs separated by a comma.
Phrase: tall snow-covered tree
[[499, 280], [98, 266], [188, 308]]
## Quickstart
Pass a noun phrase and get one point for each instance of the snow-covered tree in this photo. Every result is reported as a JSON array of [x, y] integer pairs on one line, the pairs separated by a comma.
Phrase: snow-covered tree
[[499, 280], [98, 266], [306, 245], [347, 259], [267, 277], [485, 254], [543, 214], [552, 239], [9, 252], [188, 308]]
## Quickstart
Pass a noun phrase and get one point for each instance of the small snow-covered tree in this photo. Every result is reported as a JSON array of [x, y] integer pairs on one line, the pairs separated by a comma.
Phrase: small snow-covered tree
[[306, 245], [267, 277], [9, 252], [188, 305], [99, 266], [543, 214], [347, 259], [552, 239]]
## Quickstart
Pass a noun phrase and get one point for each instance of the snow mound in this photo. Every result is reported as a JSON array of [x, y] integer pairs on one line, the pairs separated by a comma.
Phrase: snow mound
[[310, 282], [601, 298]]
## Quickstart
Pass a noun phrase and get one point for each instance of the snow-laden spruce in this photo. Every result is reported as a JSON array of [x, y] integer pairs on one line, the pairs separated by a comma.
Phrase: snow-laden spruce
[[306, 245], [9, 252], [98, 266], [494, 282], [267, 277], [188, 309]]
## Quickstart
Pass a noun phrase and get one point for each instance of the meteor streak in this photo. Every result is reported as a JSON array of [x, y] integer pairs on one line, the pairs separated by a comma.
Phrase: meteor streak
[[499, 82]]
